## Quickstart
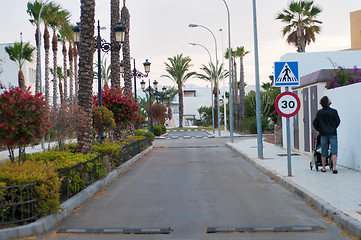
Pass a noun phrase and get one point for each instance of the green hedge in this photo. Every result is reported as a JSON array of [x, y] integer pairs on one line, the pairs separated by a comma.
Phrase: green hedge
[[45, 177], [249, 125], [149, 134]]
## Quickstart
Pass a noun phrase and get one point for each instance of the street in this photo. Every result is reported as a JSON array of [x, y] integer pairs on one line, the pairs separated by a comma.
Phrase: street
[[194, 189]]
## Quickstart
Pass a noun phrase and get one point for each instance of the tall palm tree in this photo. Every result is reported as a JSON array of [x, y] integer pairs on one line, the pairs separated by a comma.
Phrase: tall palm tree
[[46, 16], [210, 75], [125, 21], [302, 24], [76, 79], [65, 35], [86, 50], [71, 71], [33, 9], [241, 52], [177, 70], [114, 55], [59, 17], [234, 86], [19, 53]]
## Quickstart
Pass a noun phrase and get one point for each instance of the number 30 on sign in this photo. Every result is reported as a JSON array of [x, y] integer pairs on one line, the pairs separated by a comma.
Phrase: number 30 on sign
[[287, 104]]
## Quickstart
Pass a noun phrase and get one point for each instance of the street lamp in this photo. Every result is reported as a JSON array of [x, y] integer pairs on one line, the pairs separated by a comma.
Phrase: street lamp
[[155, 92], [217, 95], [136, 74], [230, 75], [102, 45], [210, 61]]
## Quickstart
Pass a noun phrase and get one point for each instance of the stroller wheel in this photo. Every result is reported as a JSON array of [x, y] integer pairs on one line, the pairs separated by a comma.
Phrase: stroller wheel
[[311, 165], [316, 167]]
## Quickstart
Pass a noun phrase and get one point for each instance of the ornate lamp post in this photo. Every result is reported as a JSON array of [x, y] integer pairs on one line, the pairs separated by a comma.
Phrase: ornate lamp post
[[136, 74], [153, 91], [101, 45]]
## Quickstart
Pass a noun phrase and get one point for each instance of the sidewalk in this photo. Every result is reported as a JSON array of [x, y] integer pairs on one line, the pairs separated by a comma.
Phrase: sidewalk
[[336, 196]]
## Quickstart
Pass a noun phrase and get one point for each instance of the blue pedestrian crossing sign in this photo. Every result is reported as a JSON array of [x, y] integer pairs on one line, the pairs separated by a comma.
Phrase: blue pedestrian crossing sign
[[286, 74]]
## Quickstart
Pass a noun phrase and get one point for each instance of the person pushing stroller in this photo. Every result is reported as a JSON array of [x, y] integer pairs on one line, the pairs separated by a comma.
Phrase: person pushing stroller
[[326, 122]]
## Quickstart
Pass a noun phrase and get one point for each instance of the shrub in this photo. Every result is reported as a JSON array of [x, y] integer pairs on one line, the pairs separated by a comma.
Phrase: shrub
[[47, 183], [61, 159], [121, 104], [103, 119], [343, 77], [23, 119], [249, 125], [149, 134]]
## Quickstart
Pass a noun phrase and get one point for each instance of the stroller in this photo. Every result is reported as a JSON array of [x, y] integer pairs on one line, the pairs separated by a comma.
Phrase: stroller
[[316, 156]]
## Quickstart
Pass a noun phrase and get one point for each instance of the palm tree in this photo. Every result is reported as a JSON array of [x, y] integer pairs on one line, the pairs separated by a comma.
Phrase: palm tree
[[86, 50], [19, 53], [301, 21], [76, 79], [177, 69], [240, 52], [33, 10], [234, 86], [114, 55], [71, 71], [125, 21], [60, 76], [65, 35], [211, 76], [58, 18]]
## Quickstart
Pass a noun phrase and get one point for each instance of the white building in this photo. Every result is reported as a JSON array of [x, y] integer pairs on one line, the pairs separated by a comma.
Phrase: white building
[[10, 69]]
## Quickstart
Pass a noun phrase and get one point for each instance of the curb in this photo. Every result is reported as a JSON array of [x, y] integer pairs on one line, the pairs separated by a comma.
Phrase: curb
[[345, 222], [46, 223]]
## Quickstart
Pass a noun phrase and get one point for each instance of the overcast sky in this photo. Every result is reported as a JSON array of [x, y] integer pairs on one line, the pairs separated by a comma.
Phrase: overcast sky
[[159, 29]]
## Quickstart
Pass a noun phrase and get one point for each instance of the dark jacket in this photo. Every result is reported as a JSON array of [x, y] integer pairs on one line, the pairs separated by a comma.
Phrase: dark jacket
[[327, 121]]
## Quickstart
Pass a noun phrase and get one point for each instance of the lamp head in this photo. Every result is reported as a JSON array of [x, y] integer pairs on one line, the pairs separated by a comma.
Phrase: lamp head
[[155, 84], [146, 66], [142, 84], [121, 67], [193, 25], [76, 32], [119, 32]]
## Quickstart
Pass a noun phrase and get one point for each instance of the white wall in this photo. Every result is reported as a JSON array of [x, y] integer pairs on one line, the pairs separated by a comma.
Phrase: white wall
[[310, 62], [345, 100], [10, 71]]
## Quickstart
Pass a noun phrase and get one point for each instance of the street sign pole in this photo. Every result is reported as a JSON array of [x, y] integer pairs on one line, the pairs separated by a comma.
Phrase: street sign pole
[[289, 162], [287, 104]]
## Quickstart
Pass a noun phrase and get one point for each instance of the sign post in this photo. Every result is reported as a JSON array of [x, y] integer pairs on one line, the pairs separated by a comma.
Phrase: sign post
[[287, 104]]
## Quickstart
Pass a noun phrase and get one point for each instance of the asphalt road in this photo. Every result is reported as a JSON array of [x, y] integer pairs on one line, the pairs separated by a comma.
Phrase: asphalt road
[[192, 186]]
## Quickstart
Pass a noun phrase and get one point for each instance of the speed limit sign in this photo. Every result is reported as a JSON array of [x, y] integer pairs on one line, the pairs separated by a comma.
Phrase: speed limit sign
[[287, 104]]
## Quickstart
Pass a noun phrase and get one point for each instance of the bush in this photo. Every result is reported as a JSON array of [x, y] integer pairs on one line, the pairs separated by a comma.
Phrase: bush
[[249, 125], [159, 130], [61, 159], [46, 178], [149, 134]]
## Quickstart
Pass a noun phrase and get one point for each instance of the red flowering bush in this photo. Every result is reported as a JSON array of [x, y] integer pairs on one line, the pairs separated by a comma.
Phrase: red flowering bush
[[23, 119], [103, 119], [159, 112], [121, 104]]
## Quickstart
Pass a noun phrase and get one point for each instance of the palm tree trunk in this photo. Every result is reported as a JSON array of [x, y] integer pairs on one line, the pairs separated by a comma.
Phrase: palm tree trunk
[[114, 55], [126, 51], [235, 95], [86, 49], [61, 92], [242, 109], [55, 72], [21, 79], [47, 62], [65, 79], [76, 77], [215, 92], [71, 76], [37, 81], [181, 105]]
